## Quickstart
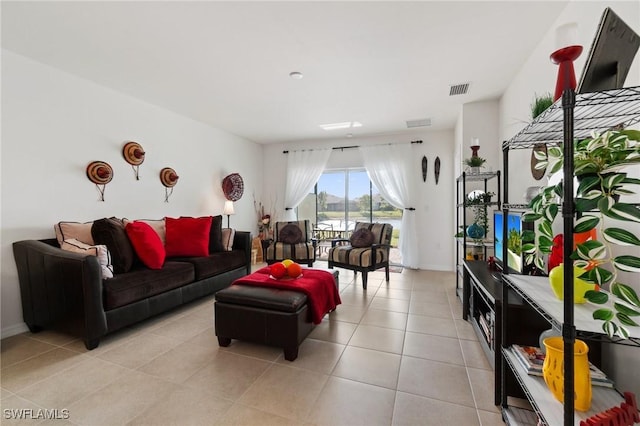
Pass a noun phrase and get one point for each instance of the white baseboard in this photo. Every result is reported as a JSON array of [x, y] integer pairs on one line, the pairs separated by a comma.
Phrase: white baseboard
[[12, 330]]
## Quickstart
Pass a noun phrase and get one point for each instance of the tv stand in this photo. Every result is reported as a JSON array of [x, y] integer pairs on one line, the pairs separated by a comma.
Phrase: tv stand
[[482, 307]]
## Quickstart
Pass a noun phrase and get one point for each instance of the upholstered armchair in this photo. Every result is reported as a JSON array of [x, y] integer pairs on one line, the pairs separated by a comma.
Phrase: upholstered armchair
[[292, 241], [366, 250]]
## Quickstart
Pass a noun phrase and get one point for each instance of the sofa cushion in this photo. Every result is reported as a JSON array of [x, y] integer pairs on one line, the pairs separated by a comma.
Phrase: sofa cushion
[[74, 230], [111, 233], [146, 243], [290, 234], [228, 235], [216, 263], [100, 251], [215, 236], [158, 225], [141, 283], [188, 236]]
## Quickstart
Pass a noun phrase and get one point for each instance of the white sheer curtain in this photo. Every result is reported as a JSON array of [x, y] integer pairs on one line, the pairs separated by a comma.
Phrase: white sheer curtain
[[303, 171], [387, 167]]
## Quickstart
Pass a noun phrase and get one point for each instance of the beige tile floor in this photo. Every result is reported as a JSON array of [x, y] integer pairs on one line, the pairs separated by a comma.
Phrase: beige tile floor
[[395, 354]]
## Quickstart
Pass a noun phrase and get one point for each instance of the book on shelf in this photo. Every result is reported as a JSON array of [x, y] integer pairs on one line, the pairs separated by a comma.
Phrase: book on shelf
[[531, 358], [486, 329]]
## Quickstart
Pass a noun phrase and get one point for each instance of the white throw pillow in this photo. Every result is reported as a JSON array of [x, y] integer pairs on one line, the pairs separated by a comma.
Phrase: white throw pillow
[[228, 234], [73, 230], [100, 251]]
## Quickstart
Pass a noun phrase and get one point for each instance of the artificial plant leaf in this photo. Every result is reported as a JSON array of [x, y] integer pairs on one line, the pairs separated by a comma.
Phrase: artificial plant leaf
[[603, 314], [623, 332], [579, 263], [528, 236], [588, 183], [587, 204], [597, 297], [550, 212], [613, 179], [627, 263], [625, 211], [625, 293], [529, 248], [624, 319], [631, 181], [545, 229], [545, 244], [531, 217], [598, 275], [592, 249], [621, 237], [626, 309], [634, 135], [541, 165], [608, 327], [585, 223], [539, 262], [605, 204], [559, 189]]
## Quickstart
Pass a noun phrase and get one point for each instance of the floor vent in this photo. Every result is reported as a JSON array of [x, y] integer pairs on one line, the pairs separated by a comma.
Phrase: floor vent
[[419, 123], [458, 89]]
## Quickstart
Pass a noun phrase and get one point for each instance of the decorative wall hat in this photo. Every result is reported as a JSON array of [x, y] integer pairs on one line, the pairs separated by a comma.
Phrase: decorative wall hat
[[169, 179], [134, 155], [100, 173], [233, 187]]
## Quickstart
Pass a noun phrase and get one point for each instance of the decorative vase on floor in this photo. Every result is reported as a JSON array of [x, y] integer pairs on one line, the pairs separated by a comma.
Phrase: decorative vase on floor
[[553, 371]]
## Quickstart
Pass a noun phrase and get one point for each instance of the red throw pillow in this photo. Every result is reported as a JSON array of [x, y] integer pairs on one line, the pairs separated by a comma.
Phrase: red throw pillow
[[147, 244], [188, 236]]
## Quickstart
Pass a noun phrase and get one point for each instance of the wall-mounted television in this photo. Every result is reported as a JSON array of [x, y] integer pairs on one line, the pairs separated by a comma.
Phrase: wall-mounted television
[[511, 239]]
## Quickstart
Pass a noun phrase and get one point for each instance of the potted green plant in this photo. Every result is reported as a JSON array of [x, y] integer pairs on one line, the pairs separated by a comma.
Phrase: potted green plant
[[599, 163], [540, 104], [478, 201], [475, 163]]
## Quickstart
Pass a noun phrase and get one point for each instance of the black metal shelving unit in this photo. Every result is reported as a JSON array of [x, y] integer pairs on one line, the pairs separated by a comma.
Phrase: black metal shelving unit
[[462, 243], [572, 117]]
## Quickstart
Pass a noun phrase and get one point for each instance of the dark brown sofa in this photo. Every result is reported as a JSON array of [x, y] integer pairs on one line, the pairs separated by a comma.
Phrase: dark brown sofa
[[56, 284]]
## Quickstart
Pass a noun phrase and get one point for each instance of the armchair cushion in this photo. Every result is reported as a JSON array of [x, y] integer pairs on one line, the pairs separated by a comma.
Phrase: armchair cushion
[[290, 234], [361, 257], [303, 225], [362, 238]]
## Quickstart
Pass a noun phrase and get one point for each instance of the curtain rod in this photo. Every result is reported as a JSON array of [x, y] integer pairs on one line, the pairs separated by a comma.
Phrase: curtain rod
[[358, 146]]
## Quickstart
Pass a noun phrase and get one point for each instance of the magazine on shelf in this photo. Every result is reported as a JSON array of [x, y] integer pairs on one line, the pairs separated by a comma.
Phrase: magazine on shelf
[[531, 359]]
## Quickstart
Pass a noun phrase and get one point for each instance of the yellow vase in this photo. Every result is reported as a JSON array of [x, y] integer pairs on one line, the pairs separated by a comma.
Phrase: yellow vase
[[553, 371]]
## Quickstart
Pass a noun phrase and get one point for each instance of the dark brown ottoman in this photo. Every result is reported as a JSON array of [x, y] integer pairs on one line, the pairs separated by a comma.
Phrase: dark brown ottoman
[[263, 315]]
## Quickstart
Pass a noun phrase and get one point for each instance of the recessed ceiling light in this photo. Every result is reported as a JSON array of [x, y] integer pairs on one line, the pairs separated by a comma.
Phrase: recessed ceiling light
[[296, 75], [345, 125]]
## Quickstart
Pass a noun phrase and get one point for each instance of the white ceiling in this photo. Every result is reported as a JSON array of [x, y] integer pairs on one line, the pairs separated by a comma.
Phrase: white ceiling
[[227, 63]]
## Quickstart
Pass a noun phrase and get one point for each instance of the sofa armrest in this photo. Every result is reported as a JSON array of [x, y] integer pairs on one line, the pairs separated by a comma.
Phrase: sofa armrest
[[56, 283], [242, 241]]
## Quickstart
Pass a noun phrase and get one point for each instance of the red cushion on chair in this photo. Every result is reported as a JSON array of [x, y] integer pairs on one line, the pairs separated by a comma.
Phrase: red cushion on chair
[[188, 236], [147, 244]]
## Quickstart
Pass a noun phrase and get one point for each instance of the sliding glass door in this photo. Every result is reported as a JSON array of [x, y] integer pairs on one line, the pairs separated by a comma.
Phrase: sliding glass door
[[343, 197]]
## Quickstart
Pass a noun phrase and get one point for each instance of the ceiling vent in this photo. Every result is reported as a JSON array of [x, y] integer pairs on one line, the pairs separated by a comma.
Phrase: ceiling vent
[[458, 89], [419, 123]]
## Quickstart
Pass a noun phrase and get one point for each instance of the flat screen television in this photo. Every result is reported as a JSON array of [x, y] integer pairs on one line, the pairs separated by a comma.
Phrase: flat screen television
[[512, 240], [610, 56]]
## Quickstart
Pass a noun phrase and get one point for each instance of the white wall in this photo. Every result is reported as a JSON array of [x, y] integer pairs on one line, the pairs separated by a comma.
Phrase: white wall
[[538, 75], [54, 124], [433, 212]]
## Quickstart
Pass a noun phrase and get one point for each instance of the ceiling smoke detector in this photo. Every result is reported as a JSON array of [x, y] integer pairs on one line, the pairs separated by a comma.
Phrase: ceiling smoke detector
[[458, 89], [424, 122]]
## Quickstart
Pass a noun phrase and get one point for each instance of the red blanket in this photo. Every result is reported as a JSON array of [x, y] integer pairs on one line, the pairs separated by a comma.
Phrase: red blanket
[[319, 286]]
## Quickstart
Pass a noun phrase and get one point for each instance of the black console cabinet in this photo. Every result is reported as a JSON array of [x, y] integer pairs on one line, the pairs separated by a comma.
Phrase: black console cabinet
[[482, 307]]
